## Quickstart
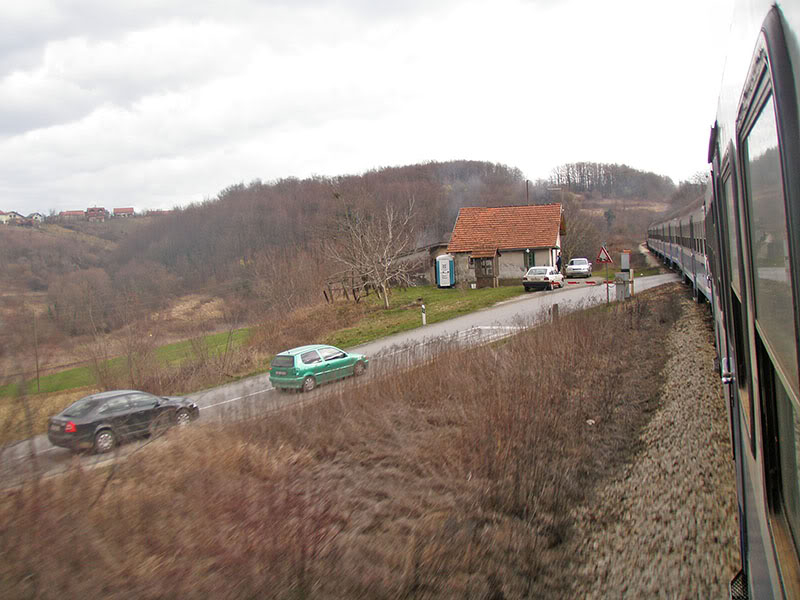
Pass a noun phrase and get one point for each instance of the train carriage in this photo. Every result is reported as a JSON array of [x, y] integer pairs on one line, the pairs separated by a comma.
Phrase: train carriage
[[749, 268]]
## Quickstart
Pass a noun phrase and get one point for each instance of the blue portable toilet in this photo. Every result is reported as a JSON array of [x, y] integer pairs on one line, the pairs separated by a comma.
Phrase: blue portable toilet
[[445, 271]]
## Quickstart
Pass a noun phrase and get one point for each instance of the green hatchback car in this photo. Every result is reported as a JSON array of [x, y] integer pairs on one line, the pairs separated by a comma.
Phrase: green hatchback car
[[306, 367]]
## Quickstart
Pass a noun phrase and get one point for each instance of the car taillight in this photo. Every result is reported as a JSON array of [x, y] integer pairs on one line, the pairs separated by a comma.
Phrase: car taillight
[[546, 279], [70, 427]]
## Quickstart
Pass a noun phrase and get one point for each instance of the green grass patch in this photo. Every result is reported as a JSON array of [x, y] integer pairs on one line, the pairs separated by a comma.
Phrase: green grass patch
[[55, 382], [405, 312], [600, 271], [169, 354], [215, 343]]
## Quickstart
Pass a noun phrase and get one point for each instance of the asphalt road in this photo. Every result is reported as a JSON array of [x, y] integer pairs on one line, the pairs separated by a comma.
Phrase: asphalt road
[[255, 395]]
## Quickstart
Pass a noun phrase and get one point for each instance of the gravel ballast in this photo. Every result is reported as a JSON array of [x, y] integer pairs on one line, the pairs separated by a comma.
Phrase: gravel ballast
[[666, 526]]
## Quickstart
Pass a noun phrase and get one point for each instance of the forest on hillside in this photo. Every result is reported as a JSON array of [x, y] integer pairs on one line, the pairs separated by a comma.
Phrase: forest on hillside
[[265, 246], [620, 181]]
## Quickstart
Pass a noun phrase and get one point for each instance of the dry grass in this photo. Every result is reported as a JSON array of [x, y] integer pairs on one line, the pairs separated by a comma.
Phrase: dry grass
[[452, 480], [26, 416]]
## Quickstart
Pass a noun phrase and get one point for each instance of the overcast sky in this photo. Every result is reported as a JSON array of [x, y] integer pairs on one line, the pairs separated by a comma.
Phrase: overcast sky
[[156, 103]]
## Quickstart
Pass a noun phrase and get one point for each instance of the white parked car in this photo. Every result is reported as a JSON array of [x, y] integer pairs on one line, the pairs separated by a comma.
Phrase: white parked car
[[542, 278], [579, 267]]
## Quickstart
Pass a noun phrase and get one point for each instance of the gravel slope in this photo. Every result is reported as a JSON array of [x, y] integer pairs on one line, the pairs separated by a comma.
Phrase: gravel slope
[[666, 527]]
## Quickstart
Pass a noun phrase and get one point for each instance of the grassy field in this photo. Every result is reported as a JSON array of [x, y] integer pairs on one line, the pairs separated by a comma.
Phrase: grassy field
[[374, 323], [81, 377], [440, 305], [454, 480], [191, 365]]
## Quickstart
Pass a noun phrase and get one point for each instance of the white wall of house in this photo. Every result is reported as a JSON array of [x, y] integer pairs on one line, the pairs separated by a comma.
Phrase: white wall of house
[[512, 264], [464, 272]]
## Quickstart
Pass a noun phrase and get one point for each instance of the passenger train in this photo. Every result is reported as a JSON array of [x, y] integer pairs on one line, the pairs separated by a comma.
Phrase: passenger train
[[739, 248]]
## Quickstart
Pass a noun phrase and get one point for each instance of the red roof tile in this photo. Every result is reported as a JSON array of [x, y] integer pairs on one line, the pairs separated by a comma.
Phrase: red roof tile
[[505, 228]]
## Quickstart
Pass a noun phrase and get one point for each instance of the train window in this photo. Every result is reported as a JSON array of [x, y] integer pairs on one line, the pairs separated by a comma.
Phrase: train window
[[789, 459], [781, 424], [733, 235], [769, 242]]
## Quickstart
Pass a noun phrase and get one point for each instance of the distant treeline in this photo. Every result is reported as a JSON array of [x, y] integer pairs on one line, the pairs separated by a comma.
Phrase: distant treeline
[[611, 180]]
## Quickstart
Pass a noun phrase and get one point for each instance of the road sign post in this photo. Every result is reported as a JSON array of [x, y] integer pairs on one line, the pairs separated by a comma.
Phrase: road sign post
[[625, 267], [604, 257]]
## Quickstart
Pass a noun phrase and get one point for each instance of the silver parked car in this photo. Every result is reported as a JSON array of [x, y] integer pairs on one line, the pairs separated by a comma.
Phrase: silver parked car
[[579, 267]]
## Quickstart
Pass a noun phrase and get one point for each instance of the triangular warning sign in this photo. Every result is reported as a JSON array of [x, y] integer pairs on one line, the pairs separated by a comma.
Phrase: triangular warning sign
[[603, 256]]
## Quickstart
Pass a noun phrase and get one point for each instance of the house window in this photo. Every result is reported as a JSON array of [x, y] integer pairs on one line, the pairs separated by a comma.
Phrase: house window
[[486, 267], [530, 259]]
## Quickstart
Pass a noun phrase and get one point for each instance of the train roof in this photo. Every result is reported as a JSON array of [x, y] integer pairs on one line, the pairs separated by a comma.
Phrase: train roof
[[693, 209]]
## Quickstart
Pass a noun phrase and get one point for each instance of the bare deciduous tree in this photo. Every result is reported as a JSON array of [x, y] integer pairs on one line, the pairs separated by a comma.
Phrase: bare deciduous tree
[[582, 238], [375, 247]]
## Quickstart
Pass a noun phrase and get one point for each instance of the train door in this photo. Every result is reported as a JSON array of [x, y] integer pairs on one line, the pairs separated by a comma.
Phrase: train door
[[769, 142], [733, 351]]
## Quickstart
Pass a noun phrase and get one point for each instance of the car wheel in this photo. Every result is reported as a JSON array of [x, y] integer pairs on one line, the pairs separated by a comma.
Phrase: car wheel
[[182, 417], [104, 441], [358, 369], [309, 383]]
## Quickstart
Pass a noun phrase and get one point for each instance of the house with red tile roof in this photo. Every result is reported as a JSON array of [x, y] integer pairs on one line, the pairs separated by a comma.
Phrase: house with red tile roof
[[490, 245], [124, 212], [71, 215]]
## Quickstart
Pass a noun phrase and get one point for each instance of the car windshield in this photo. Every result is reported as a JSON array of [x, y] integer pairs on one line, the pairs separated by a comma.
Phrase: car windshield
[[537, 271], [579, 261], [82, 407], [282, 361]]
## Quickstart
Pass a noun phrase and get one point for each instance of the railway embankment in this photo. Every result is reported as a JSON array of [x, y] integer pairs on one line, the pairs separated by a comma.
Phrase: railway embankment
[[665, 526]]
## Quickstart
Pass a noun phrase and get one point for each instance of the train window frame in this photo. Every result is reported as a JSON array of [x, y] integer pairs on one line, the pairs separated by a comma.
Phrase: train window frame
[[770, 86], [763, 100], [737, 325]]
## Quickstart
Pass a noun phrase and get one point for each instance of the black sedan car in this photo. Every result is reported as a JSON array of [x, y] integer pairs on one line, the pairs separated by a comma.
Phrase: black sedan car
[[100, 421]]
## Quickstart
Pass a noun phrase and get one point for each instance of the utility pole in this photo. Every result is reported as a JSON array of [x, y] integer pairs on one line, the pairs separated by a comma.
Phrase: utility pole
[[527, 194], [36, 350]]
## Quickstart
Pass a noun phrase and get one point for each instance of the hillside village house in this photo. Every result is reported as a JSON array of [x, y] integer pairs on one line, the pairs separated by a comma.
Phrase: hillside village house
[[124, 212], [493, 244], [71, 215], [96, 213], [4, 218]]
